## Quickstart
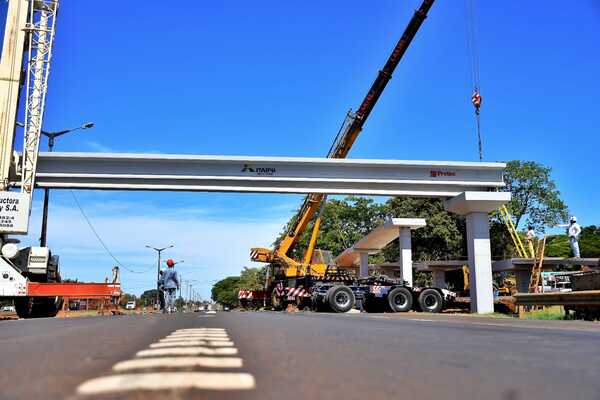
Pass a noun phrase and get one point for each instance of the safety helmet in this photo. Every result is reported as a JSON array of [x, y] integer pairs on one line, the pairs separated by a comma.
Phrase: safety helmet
[[170, 263], [573, 219]]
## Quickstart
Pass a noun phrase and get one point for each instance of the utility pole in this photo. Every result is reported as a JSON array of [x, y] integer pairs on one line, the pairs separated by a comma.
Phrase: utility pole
[[158, 251], [51, 136]]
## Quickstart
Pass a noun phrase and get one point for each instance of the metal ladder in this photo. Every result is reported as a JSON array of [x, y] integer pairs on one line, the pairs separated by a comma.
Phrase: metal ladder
[[536, 271], [514, 234]]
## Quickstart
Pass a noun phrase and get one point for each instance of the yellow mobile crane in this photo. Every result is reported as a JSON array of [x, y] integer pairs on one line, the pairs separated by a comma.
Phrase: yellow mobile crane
[[284, 273]]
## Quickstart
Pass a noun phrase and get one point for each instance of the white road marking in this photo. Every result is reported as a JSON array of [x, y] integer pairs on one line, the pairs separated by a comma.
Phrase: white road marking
[[201, 330], [211, 312], [188, 351], [206, 334], [168, 381], [180, 338], [184, 343], [417, 319], [179, 362], [198, 337], [206, 316]]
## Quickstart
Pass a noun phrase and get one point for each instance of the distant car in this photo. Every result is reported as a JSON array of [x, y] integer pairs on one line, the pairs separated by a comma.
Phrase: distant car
[[8, 309], [130, 305]]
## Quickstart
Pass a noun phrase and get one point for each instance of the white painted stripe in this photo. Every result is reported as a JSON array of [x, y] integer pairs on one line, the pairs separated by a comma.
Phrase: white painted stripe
[[179, 339], [206, 316], [179, 362], [185, 343], [198, 337], [168, 381], [188, 351], [211, 312], [201, 330], [207, 334]]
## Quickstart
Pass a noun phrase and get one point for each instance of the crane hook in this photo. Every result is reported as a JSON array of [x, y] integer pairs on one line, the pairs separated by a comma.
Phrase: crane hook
[[476, 100]]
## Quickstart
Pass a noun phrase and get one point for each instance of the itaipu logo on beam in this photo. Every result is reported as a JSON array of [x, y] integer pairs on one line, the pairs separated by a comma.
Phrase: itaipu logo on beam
[[261, 171]]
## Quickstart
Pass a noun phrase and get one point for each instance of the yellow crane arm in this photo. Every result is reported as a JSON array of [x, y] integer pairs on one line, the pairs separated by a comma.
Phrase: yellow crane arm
[[344, 140]]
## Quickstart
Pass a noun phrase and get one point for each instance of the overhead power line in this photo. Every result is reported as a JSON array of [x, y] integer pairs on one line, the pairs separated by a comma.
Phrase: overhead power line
[[119, 263]]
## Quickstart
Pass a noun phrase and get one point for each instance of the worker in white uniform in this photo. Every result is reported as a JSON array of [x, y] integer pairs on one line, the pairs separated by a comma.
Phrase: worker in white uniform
[[530, 239], [573, 232]]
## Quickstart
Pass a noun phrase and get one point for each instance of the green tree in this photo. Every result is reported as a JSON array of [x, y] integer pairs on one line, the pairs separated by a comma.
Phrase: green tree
[[343, 222], [225, 291], [252, 278], [535, 198], [441, 239], [148, 298]]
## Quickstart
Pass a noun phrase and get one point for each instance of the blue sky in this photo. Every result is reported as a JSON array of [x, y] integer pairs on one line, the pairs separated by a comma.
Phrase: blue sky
[[276, 78]]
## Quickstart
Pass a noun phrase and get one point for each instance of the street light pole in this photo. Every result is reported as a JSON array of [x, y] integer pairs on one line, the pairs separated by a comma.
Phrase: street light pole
[[51, 136], [158, 251]]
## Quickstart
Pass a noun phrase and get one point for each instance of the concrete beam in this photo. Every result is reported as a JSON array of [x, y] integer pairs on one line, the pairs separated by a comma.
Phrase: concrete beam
[[164, 172]]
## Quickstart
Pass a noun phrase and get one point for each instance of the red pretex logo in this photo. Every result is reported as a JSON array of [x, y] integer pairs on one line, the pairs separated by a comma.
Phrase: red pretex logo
[[435, 174]]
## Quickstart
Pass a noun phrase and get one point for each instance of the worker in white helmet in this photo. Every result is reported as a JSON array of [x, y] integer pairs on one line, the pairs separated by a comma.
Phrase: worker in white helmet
[[573, 232]]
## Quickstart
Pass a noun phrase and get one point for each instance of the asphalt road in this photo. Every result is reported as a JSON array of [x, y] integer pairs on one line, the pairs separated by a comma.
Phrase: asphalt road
[[302, 355]]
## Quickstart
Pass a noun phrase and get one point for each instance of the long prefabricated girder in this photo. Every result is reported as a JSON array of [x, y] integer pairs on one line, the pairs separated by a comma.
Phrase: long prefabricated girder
[[167, 172]]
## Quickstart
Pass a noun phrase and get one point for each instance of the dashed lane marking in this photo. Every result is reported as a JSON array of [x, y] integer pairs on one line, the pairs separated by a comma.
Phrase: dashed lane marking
[[201, 330], [180, 338], [168, 380], [185, 343], [179, 362], [155, 369], [207, 335], [188, 351]]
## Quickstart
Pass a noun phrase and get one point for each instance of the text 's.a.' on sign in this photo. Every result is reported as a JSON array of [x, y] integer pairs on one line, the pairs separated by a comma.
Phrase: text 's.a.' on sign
[[14, 212]]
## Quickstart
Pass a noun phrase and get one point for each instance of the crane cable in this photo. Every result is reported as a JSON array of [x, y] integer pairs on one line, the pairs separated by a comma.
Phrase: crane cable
[[102, 241], [474, 65]]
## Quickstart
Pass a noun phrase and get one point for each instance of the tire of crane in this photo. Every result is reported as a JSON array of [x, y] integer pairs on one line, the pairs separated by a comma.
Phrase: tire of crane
[[430, 300], [400, 300], [23, 306], [340, 298]]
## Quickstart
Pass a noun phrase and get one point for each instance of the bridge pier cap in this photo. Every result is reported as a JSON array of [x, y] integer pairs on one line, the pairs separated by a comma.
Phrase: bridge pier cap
[[476, 206]]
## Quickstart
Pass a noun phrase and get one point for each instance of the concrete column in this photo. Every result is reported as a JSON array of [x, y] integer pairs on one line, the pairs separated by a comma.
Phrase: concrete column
[[439, 278], [480, 263], [523, 278], [476, 206], [406, 255], [364, 264]]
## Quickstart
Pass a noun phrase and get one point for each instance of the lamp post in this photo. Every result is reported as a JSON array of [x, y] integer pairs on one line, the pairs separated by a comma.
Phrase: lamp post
[[51, 135], [158, 251]]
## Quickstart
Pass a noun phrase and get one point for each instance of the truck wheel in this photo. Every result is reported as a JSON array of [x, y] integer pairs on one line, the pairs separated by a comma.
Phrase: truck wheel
[[340, 298], [400, 299], [431, 301], [24, 306]]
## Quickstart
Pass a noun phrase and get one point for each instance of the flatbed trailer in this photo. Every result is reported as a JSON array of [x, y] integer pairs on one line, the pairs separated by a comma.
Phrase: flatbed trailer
[[340, 293], [46, 299]]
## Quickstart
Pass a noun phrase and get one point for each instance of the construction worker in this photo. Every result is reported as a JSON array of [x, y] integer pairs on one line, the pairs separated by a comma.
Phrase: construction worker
[[530, 239], [573, 232], [170, 284]]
